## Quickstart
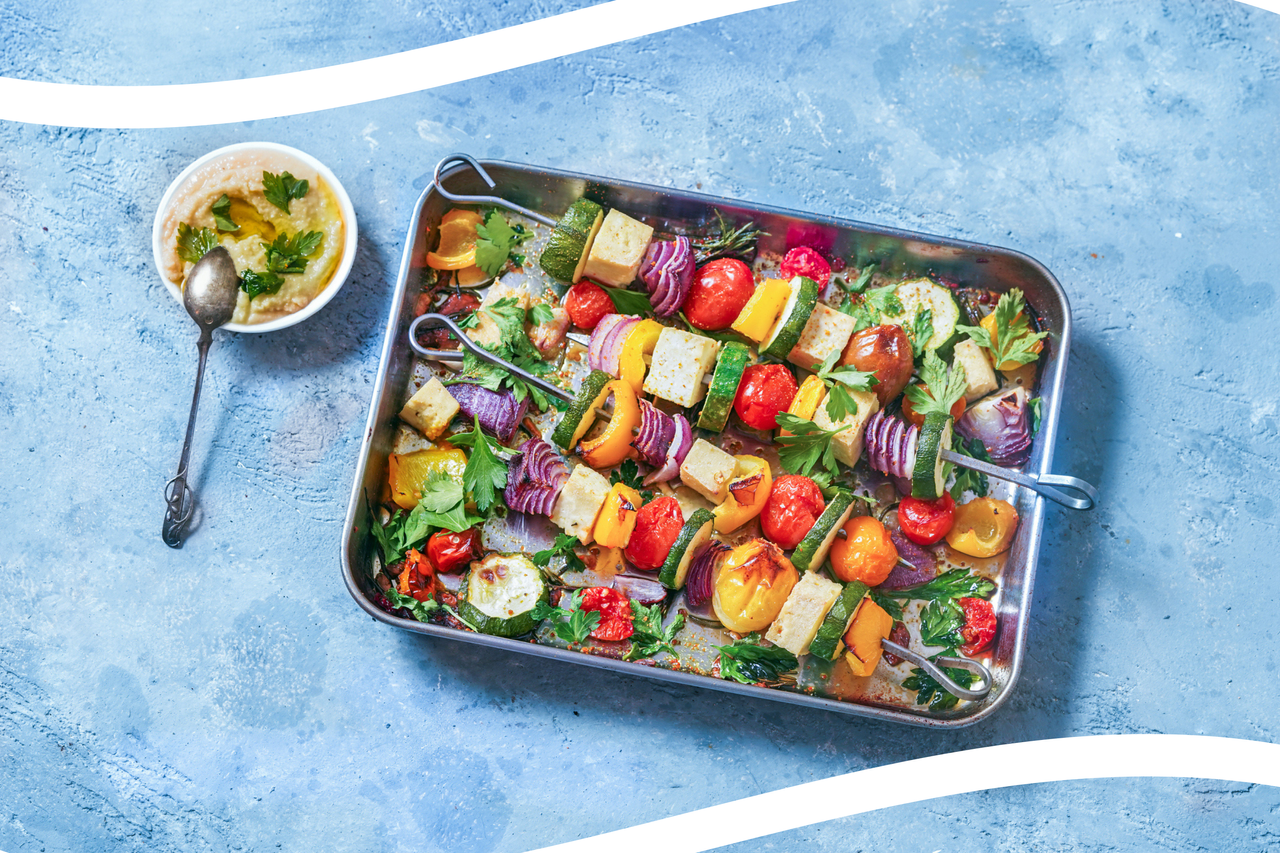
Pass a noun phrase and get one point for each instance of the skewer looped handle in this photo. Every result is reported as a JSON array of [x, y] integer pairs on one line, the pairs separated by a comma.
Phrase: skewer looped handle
[[483, 199], [935, 672], [1041, 485], [479, 352]]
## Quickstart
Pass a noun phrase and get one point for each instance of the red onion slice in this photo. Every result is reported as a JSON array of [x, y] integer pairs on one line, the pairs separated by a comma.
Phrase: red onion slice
[[647, 591], [702, 576], [891, 445], [657, 430], [596, 343], [611, 347], [681, 442], [536, 478], [667, 271], [498, 412]]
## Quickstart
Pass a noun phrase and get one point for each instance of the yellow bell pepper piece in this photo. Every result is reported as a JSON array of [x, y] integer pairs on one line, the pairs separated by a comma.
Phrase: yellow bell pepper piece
[[639, 343], [748, 493], [459, 214], [758, 316], [407, 472], [989, 323], [805, 403], [617, 519], [614, 444], [457, 248]]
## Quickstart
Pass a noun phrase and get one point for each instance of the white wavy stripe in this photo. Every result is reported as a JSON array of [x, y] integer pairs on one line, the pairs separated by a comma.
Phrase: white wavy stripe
[[190, 104], [1032, 762]]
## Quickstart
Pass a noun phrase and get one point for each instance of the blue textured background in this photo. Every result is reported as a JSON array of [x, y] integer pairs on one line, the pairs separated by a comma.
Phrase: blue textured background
[[231, 697]]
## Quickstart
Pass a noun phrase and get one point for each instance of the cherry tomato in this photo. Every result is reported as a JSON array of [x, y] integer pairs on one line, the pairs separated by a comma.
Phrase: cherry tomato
[[614, 608], [925, 522], [979, 625], [586, 303], [765, 390], [909, 411], [449, 551], [794, 504], [658, 524], [806, 262], [718, 293], [866, 553], [416, 578]]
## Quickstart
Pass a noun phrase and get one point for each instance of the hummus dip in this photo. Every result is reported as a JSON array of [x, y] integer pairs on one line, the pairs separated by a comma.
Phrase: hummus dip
[[239, 177]]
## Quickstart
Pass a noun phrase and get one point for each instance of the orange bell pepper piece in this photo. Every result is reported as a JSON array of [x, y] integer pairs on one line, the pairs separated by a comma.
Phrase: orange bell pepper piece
[[617, 519], [871, 624], [639, 343], [748, 493], [614, 444], [457, 248]]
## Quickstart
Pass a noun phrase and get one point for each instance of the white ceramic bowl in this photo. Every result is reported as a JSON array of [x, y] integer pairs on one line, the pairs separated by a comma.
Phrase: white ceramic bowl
[[348, 247]]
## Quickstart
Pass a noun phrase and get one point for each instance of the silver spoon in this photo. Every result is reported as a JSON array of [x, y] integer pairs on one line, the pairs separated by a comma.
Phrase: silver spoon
[[209, 295]]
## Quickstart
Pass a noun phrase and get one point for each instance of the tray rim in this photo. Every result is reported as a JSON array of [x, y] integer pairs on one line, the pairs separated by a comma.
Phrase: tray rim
[[1047, 434]]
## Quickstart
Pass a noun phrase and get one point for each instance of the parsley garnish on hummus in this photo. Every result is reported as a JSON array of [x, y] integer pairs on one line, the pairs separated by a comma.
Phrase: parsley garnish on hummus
[[221, 210], [257, 283], [195, 243], [283, 188], [289, 254]]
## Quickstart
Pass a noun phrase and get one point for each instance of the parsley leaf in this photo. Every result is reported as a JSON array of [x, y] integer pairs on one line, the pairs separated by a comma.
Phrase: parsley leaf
[[885, 300], [920, 331], [496, 239], [841, 381], [628, 301], [195, 243], [485, 475], [968, 479], [418, 609], [562, 547], [541, 314], [628, 474], [940, 623], [514, 346], [1036, 415], [289, 254], [930, 692], [941, 387], [257, 283], [1014, 341], [650, 637], [443, 504], [282, 189], [221, 210], [579, 624], [889, 605], [748, 662], [808, 446]]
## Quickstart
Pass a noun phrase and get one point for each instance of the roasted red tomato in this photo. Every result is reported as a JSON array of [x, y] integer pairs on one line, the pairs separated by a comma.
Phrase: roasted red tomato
[[925, 522], [658, 524], [586, 303], [719, 291], [615, 612], [794, 504], [806, 262], [979, 625], [765, 390], [416, 578], [450, 552]]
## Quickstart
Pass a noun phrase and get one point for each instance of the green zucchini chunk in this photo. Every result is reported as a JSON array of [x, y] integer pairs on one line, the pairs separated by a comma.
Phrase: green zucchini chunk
[[922, 294], [813, 548], [733, 360], [695, 533], [499, 594], [830, 637], [570, 242], [795, 315], [580, 414], [929, 477]]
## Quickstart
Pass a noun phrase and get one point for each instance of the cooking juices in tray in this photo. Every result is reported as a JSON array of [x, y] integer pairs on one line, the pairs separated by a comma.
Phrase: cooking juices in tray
[[744, 486]]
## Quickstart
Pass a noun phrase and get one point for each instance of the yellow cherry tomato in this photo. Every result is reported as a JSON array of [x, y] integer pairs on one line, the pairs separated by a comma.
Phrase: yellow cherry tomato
[[984, 527], [752, 585]]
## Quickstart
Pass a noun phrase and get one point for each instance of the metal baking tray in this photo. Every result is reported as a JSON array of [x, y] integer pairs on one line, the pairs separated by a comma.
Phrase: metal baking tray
[[550, 192]]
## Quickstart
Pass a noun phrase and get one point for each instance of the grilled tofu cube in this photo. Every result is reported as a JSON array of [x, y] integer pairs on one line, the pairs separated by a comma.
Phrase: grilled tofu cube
[[580, 501], [707, 470], [980, 378], [827, 332], [803, 612], [848, 444], [618, 249], [680, 360], [431, 409]]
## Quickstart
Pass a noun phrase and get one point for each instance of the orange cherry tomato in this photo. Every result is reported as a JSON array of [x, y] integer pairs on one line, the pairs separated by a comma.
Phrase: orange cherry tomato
[[867, 553]]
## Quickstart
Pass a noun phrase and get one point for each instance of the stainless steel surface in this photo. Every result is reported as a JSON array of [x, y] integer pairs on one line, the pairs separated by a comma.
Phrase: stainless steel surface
[[209, 295], [898, 252], [1042, 485], [497, 201], [935, 671], [478, 351]]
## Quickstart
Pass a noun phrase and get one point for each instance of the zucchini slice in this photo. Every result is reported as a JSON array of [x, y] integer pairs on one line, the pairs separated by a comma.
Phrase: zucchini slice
[[944, 312], [813, 548], [928, 477], [567, 248], [695, 533], [830, 637], [580, 415], [733, 360], [499, 594], [795, 315]]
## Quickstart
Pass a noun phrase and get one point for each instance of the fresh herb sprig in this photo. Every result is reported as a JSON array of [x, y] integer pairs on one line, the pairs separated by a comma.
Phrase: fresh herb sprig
[[485, 475], [748, 662], [497, 241], [956, 583], [808, 448], [195, 243], [840, 381], [288, 255], [920, 331], [281, 189], [257, 283], [727, 241], [966, 478], [571, 624], [650, 637], [420, 610], [929, 692], [945, 386], [1014, 341], [513, 345], [562, 547], [221, 210], [628, 474]]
